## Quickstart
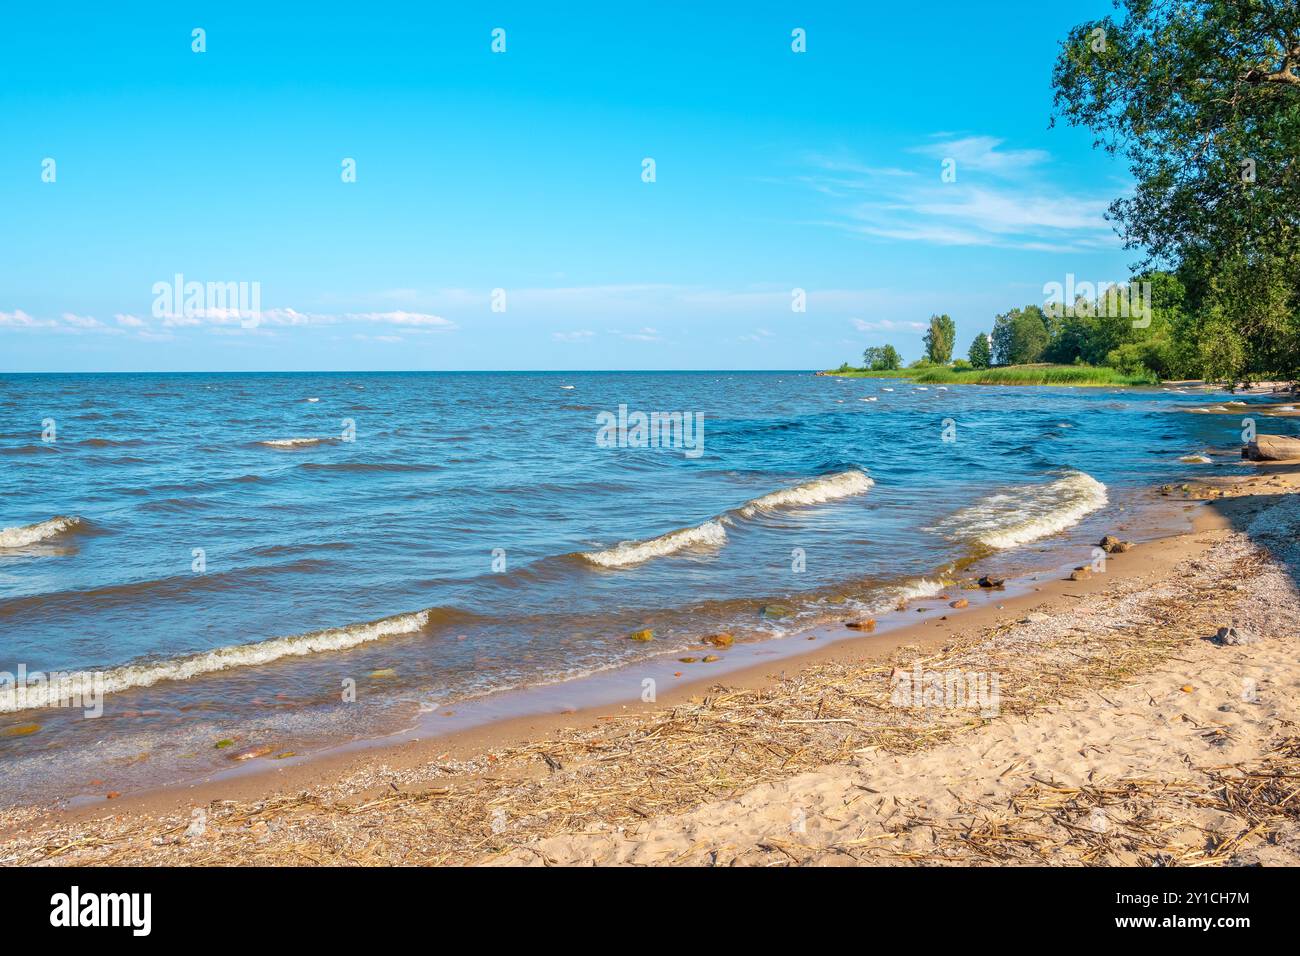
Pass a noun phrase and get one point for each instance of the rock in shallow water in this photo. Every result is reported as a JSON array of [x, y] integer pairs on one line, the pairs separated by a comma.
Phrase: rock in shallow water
[[1113, 545]]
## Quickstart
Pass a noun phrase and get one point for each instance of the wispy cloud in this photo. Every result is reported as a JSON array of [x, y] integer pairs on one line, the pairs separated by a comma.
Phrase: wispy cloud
[[421, 319], [82, 321], [888, 325], [1000, 197], [983, 154], [18, 319], [222, 321]]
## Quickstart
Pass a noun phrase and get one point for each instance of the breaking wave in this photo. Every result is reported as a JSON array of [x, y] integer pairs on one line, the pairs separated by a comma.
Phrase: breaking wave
[[1028, 512], [25, 535], [127, 676], [845, 484], [295, 442], [713, 533]]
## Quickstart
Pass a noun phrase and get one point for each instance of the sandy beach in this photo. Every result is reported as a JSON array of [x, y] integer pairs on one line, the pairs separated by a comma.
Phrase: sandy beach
[[1122, 732]]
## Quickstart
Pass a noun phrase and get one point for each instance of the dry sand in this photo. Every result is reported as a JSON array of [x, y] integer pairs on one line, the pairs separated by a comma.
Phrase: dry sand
[[1122, 734]]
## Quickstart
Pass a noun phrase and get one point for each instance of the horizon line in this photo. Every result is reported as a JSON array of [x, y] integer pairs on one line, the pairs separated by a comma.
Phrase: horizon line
[[410, 371]]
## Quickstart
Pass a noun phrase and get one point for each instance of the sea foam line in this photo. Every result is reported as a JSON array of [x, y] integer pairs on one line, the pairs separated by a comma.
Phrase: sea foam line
[[713, 533], [1028, 512], [127, 676], [709, 534], [294, 442], [20, 537], [818, 491]]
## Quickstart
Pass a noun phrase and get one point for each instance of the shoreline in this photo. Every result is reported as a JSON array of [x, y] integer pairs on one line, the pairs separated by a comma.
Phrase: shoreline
[[1103, 377], [524, 722], [513, 715], [415, 768]]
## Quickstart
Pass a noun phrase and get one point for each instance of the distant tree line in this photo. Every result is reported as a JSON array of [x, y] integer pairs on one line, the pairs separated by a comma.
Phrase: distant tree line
[[1177, 334], [1161, 338]]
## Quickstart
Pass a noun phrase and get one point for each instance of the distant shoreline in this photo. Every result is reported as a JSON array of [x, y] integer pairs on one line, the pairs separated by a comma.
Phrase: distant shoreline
[[1057, 375], [1081, 375]]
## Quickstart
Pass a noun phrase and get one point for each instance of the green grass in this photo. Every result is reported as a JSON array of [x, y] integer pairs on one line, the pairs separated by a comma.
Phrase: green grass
[[1010, 375]]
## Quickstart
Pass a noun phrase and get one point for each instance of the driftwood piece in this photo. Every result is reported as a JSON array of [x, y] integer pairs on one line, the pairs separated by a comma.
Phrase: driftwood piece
[[1272, 448]]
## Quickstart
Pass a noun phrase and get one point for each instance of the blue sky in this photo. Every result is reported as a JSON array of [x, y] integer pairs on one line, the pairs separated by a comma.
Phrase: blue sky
[[522, 171]]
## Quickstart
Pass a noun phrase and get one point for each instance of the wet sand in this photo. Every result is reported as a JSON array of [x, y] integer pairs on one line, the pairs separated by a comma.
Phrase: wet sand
[[573, 787]]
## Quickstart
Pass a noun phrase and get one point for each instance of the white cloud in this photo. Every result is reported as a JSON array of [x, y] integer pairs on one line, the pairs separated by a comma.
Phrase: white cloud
[[888, 325], [983, 154], [1000, 198], [579, 336], [246, 320], [18, 319], [404, 318]]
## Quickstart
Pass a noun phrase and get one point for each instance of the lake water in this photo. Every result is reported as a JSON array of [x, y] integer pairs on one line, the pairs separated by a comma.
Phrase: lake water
[[233, 551]]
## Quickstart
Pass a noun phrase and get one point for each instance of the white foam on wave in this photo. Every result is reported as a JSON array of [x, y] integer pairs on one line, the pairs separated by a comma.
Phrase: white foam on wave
[[126, 676], [711, 534], [1027, 513], [21, 537], [920, 588], [817, 491], [293, 442]]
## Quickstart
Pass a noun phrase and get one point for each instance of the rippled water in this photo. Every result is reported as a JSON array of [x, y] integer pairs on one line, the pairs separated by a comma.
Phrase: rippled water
[[475, 535]]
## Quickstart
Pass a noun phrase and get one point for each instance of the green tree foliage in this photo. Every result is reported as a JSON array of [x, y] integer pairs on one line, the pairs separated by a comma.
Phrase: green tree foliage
[[981, 352], [940, 339], [1020, 336], [883, 358], [1203, 99]]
